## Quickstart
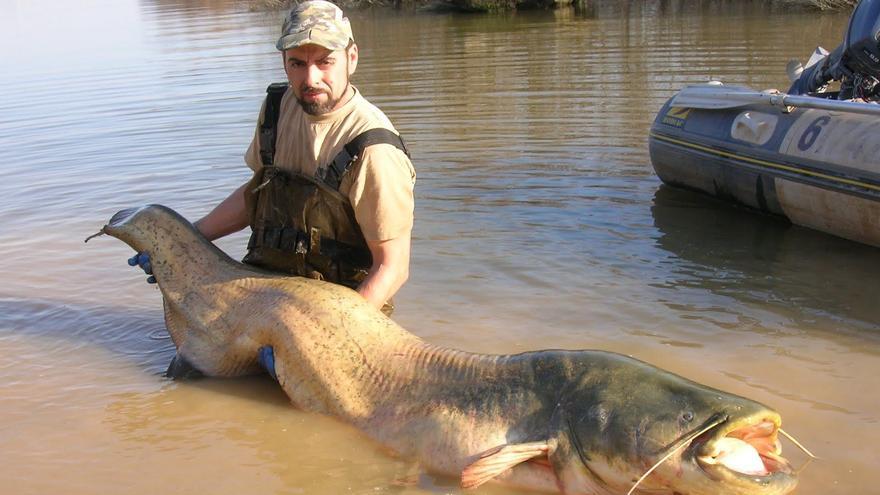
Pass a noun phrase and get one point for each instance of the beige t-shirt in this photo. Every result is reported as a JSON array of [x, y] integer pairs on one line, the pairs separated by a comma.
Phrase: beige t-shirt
[[380, 183]]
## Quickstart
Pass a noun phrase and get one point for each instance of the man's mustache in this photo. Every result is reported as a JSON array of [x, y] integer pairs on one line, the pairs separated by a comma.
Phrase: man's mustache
[[308, 90]]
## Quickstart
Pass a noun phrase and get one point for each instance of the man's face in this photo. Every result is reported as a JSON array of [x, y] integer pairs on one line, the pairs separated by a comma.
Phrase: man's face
[[320, 77]]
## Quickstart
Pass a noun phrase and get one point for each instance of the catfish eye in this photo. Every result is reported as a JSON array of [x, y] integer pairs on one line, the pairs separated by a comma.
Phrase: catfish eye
[[687, 416]]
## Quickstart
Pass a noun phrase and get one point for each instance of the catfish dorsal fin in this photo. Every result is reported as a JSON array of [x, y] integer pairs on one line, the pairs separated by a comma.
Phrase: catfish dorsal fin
[[497, 460]]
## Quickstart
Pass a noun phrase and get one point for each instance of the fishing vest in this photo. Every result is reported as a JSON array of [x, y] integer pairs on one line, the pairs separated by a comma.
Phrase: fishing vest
[[303, 225]]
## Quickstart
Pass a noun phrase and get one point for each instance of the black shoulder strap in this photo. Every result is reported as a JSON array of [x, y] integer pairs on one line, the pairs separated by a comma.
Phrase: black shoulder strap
[[340, 165], [375, 136], [269, 127]]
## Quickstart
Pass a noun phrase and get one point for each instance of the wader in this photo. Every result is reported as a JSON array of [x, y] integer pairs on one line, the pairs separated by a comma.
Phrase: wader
[[302, 225]]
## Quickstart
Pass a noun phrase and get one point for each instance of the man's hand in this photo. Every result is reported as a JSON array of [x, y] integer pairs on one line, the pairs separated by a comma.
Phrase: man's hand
[[142, 260]]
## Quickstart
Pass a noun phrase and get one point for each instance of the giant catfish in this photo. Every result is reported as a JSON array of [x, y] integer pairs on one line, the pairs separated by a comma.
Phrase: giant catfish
[[573, 422]]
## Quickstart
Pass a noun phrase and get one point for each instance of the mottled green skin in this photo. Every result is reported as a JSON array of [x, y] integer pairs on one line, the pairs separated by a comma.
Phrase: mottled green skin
[[605, 417]]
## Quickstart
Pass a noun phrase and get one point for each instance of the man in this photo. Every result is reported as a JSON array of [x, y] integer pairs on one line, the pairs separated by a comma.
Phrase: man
[[332, 191]]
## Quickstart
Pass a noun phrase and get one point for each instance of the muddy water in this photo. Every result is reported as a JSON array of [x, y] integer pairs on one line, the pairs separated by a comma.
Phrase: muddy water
[[539, 224]]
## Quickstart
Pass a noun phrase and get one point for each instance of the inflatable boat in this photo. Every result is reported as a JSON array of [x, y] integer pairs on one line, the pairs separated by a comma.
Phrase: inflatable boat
[[809, 155]]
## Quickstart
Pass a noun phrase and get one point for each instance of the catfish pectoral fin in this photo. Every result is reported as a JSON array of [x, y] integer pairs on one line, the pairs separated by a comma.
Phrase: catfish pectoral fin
[[496, 461]]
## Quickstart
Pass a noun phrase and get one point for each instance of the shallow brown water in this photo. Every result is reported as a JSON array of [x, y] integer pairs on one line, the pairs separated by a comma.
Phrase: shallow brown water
[[539, 224]]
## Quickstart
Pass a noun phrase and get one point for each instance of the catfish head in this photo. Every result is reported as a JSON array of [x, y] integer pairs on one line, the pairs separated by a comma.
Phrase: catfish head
[[628, 427]]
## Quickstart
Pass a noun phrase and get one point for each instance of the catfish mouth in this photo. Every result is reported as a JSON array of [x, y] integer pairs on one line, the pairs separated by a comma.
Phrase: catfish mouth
[[746, 449]]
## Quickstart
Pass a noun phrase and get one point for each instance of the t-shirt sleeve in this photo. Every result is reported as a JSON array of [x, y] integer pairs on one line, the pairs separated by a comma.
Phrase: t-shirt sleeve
[[382, 193], [252, 156]]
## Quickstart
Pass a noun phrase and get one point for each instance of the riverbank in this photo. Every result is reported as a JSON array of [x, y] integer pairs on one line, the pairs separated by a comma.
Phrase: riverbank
[[507, 5], [427, 5]]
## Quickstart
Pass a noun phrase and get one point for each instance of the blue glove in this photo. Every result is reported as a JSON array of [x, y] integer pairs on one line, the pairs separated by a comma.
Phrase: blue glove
[[266, 358], [142, 260]]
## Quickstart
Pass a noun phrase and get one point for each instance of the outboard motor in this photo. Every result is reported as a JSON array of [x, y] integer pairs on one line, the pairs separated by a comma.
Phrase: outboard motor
[[855, 63]]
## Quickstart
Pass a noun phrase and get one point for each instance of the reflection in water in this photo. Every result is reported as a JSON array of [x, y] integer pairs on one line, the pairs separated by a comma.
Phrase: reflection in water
[[539, 223], [765, 261], [136, 337]]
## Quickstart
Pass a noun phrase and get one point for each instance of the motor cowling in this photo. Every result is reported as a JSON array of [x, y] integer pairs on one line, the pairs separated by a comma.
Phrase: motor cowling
[[861, 54], [855, 63]]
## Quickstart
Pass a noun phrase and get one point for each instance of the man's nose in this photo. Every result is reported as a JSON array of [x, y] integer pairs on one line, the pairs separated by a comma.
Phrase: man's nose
[[314, 76]]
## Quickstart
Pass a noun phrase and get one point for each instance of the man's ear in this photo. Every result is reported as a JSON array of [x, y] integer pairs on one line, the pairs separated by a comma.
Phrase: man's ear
[[352, 54]]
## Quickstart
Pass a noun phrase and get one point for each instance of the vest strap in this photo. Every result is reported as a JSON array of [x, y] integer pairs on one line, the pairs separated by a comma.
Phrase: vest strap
[[342, 163], [269, 127]]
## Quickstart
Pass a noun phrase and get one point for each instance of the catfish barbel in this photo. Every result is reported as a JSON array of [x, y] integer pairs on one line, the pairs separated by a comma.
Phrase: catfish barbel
[[573, 422]]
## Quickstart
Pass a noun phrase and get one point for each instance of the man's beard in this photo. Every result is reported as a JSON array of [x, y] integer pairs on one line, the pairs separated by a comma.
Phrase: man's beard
[[318, 108]]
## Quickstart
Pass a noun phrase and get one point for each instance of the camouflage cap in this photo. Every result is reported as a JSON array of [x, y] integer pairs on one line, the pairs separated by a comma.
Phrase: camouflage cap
[[315, 22]]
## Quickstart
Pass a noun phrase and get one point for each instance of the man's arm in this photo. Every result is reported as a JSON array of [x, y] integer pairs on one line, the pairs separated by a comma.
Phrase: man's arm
[[389, 271], [229, 216]]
